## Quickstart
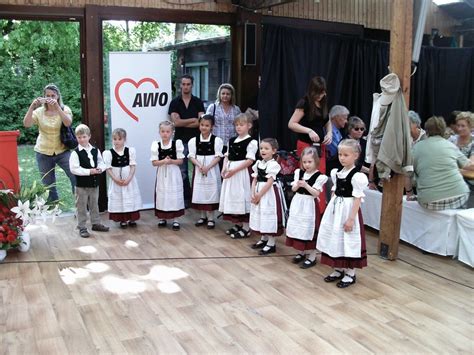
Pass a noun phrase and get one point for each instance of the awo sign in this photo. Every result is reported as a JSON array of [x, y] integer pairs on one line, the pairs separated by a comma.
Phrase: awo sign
[[147, 99], [140, 94]]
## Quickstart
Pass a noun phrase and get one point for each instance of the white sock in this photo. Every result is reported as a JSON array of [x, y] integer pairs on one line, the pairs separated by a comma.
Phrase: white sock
[[271, 242], [176, 220], [210, 215], [337, 273], [245, 226], [312, 255], [350, 273], [203, 214], [264, 238]]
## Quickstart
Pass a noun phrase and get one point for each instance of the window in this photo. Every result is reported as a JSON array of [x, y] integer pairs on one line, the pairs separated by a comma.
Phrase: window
[[200, 72]]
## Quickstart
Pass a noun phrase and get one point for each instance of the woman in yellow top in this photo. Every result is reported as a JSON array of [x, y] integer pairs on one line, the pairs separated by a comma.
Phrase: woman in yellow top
[[48, 112]]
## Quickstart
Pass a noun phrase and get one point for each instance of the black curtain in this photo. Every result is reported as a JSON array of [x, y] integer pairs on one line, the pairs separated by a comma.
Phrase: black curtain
[[352, 68]]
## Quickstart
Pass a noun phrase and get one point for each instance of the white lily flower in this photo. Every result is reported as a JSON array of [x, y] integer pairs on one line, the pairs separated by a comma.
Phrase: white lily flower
[[22, 211], [55, 212]]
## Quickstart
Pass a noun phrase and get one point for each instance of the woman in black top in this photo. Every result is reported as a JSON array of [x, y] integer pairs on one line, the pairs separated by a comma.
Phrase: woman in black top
[[310, 119]]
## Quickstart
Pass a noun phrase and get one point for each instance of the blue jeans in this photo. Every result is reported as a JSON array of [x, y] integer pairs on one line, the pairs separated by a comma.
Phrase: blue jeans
[[185, 175], [47, 168]]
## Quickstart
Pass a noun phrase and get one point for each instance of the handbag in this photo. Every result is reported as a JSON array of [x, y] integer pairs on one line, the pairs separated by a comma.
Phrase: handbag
[[68, 137]]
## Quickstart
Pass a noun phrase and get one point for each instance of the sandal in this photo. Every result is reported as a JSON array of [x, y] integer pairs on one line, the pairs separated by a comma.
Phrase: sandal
[[162, 223], [201, 221], [211, 224], [176, 226], [308, 263], [123, 224], [240, 234], [298, 258], [233, 230], [344, 284], [132, 223]]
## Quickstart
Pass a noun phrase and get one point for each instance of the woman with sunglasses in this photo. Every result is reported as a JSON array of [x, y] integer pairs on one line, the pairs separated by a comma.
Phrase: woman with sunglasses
[[355, 130]]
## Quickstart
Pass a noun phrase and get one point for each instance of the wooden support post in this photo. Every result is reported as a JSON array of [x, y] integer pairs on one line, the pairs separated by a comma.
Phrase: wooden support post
[[401, 34]]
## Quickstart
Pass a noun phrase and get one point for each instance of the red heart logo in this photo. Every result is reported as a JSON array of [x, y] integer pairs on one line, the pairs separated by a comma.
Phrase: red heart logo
[[134, 83]]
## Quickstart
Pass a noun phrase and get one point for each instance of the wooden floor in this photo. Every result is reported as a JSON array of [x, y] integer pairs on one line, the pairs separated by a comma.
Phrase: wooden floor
[[147, 290]]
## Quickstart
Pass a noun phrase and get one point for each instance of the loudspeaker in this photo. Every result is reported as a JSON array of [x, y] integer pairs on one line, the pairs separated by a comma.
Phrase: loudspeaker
[[250, 44]]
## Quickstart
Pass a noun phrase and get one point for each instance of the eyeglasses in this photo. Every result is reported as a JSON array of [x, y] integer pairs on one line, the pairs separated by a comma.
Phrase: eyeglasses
[[359, 129]]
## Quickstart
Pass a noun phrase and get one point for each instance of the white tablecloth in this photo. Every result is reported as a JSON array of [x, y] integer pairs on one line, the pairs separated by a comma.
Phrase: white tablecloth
[[465, 221], [433, 231]]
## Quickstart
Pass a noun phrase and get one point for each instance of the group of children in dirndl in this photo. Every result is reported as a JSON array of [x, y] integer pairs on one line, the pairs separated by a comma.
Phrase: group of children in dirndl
[[247, 193]]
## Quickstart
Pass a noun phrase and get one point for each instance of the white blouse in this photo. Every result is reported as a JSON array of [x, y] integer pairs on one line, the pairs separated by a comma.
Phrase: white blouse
[[359, 181], [218, 146], [271, 167], [318, 184], [179, 149], [132, 155]]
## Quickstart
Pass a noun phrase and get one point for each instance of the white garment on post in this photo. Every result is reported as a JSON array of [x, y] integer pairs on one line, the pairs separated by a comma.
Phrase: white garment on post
[[301, 221], [374, 122], [263, 216], [332, 239], [206, 188], [235, 192], [169, 192], [122, 198]]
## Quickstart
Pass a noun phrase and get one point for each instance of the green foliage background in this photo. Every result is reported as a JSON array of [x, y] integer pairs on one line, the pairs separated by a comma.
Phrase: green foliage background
[[35, 53]]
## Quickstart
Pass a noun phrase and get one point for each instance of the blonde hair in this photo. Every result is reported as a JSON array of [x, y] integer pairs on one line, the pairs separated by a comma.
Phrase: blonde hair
[[350, 143], [166, 124], [466, 116], [314, 154], [232, 93], [119, 132], [82, 129], [242, 118]]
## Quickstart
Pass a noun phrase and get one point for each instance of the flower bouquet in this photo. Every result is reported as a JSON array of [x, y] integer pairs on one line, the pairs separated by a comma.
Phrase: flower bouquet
[[17, 210]]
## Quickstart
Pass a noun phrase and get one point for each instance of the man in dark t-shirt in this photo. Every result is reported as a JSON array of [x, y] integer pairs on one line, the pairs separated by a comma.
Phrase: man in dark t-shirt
[[184, 111]]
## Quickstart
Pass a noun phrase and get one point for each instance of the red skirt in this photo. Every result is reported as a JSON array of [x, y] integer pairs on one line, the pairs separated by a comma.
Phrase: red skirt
[[303, 245], [300, 146], [349, 263], [169, 214], [124, 216], [236, 218]]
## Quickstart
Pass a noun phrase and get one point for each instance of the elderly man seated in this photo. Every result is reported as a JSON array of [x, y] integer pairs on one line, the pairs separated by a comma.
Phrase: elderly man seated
[[437, 161], [338, 116], [417, 134]]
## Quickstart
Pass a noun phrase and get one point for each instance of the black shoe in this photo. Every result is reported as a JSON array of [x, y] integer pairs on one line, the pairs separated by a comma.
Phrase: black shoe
[[162, 223], [308, 263], [298, 258], [268, 251], [123, 225], [132, 223], [233, 230], [211, 224], [330, 278], [240, 234], [344, 284], [259, 245], [176, 226], [201, 222]]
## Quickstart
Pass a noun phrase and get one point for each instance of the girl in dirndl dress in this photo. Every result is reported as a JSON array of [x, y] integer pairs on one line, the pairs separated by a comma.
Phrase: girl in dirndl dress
[[124, 199], [268, 207], [341, 236], [167, 155], [205, 152], [235, 193], [305, 214]]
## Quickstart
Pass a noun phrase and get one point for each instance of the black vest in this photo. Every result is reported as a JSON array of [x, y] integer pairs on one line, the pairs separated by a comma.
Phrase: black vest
[[170, 152], [84, 162], [344, 186], [312, 179], [261, 175], [205, 148], [119, 161], [238, 151]]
